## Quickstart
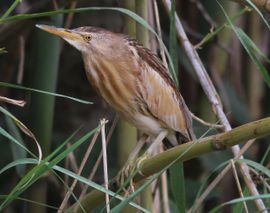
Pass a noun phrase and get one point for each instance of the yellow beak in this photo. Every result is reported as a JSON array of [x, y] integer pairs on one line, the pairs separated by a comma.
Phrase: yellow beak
[[63, 33]]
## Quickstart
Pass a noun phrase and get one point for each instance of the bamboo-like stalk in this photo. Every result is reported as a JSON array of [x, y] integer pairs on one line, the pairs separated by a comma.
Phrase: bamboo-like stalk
[[125, 131], [255, 82], [42, 106], [142, 35], [187, 151], [127, 134]]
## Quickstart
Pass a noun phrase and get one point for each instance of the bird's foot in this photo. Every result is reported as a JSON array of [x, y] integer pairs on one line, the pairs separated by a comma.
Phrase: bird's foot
[[131, 168]]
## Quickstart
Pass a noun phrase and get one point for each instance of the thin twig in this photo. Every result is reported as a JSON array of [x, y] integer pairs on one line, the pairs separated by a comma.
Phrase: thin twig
[[165, 193], [238, 184], [105, 162], [204, 13], [73, 164], [70, 15], [214, 98], [218, 126], [85, 158], [210, 187]]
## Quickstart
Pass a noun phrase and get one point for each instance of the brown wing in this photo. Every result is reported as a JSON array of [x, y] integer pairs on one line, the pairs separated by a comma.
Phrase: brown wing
[[163, 99]]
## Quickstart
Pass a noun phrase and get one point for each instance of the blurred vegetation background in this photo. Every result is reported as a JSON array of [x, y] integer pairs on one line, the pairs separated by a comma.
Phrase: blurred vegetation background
[[39, 60]]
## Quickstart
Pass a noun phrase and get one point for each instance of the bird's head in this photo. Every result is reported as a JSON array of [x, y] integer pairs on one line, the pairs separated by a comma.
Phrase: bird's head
[[87, 39]]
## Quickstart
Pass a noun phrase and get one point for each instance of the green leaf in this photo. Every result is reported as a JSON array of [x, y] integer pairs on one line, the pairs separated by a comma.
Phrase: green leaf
[[31, 201], [4, 84], [17, 152], [11, 8], [256, 166], [72, 175], [35, 173], [14, 140], [237, 200], [258, 11], [177, 180], [173, 43]]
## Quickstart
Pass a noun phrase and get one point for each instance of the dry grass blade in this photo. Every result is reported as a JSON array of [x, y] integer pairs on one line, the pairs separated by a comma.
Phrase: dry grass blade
[[24, 129], [82, 165], [238, 184], [105, 162], [19, 103], [70, 16]]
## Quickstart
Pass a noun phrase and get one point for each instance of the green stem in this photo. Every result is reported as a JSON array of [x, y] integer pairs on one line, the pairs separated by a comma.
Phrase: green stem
[[11, 8], [212, 34]]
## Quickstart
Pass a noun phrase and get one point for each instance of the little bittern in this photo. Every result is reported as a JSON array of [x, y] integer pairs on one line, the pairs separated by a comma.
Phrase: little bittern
[[132, 80]]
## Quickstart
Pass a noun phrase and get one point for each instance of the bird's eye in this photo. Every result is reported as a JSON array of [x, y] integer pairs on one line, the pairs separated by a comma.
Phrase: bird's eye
[[87, 37]]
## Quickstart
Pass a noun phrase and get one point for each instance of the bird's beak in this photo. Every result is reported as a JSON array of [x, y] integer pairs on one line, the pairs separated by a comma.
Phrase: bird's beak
[[63, 33]]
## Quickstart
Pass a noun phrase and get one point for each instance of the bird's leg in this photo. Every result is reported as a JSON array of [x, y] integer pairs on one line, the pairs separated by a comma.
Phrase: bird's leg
[[151, 149], [129, 167], [133, 164], [156, 142], [137, 148]]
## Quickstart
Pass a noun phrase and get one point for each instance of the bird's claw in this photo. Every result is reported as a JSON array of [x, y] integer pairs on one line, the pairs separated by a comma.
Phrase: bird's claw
[[130, 169]]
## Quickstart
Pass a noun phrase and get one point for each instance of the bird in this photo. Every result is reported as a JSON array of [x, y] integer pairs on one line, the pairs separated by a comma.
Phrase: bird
[[132, 80]]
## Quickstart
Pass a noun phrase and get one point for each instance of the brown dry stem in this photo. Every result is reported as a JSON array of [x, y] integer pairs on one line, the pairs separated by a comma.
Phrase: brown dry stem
[[214, 99]]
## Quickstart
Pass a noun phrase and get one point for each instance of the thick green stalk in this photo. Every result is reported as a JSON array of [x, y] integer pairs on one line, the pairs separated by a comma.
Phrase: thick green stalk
[[44, 77], [187, 151], [219, 142], [126, 132], [255, 82], [142, 35], [130, 23]]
